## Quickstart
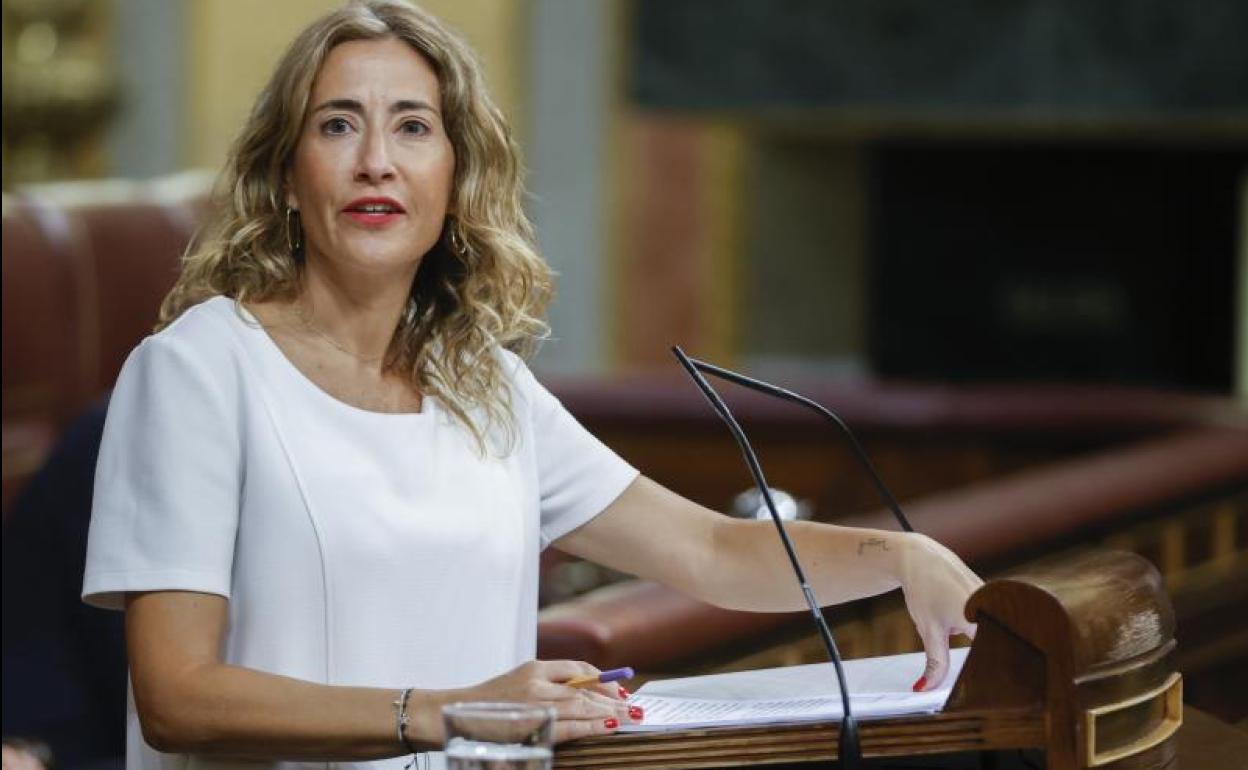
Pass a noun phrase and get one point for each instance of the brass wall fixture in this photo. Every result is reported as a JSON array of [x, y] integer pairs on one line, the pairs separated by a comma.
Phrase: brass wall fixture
[[60, 89]]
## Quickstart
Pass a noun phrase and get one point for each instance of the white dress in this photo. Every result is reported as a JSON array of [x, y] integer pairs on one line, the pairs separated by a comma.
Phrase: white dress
[[356, 548]]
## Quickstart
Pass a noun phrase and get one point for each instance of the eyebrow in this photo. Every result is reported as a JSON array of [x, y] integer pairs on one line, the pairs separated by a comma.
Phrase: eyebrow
[[353, 105]]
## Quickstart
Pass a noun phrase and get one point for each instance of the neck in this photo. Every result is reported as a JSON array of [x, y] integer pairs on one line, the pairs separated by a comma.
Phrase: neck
[[357, 315]]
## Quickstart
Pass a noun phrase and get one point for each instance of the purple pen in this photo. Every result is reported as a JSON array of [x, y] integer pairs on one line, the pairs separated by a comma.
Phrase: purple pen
[[614, 675]]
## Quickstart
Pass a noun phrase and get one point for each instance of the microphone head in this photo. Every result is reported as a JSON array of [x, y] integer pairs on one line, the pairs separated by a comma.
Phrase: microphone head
[[750, 505], [848, 747]]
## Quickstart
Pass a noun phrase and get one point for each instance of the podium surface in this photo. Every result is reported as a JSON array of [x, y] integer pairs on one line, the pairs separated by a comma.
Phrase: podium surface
[[1073, 657]]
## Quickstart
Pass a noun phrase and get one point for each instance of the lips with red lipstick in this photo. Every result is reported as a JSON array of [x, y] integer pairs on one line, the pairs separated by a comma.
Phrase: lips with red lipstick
[[374, 212]]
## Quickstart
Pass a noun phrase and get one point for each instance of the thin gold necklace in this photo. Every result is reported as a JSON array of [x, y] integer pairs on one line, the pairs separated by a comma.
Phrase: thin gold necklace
[[312, 327]]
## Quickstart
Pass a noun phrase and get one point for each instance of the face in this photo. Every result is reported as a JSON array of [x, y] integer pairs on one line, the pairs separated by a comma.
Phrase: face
[[373, 168]]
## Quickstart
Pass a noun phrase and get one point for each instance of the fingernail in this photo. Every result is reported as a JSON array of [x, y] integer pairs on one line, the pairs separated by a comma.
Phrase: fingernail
[[919, 685], [624, 693], [611, 723], [636, 712]]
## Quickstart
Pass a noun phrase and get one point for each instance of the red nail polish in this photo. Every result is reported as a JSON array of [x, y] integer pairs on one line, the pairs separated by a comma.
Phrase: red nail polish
[[636, 712], [919, 685], [624, 693], [611, 723]]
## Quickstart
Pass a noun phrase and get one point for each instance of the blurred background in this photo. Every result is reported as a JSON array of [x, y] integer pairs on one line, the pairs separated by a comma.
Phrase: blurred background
[[1007, 239], [972, 191]]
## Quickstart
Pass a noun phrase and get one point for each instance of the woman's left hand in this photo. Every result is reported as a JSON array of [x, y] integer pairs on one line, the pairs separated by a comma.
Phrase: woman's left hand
[[936, 585]]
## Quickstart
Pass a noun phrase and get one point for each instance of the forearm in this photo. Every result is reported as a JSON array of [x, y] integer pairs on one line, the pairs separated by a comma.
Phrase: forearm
[[190, 702], [751, 571], [232, 711], [654, 533]]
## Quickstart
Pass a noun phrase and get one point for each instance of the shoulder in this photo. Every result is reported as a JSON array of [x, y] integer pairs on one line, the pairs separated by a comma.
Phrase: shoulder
[[518, 390], [531, 401], [207, 324], [211, 329], [511, 364], [202, 343], [517, 376]]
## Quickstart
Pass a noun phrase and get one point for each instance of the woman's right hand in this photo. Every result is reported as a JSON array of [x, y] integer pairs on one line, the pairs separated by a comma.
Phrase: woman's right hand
[[598, 709]]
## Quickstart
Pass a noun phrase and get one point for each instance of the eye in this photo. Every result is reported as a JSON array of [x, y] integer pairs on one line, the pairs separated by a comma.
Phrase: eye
[[335, 126], [414, 127]]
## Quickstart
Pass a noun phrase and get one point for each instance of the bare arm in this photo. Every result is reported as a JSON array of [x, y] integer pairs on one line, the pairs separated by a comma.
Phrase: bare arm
[[188, 700], [655, 533]]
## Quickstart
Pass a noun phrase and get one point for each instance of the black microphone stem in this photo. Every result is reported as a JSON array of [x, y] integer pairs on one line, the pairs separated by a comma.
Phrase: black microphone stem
[[788, 395], [849, 750]]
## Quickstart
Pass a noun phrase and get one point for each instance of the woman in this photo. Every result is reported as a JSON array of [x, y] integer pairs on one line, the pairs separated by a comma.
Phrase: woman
[[327, 478]]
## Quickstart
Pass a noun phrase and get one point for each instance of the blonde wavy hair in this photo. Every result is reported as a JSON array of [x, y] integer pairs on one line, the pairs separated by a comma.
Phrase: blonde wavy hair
[[489, 291]]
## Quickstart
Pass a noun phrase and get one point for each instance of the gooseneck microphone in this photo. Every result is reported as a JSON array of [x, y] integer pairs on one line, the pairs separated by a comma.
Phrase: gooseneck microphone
[[788, 395], [849, 749]]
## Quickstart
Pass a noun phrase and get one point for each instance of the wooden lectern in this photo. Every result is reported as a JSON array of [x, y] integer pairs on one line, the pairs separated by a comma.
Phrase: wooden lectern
[[1073, 656]]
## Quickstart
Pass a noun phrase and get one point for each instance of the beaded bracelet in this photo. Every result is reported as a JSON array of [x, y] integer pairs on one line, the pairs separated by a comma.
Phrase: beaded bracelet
[[403, 719]]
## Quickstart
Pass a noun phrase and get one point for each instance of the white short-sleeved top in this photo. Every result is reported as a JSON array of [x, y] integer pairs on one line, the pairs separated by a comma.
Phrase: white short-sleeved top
[[355, 547]]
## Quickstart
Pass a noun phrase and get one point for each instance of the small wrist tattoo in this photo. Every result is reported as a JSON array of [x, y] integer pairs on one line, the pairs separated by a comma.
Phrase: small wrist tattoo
[[872, 544]]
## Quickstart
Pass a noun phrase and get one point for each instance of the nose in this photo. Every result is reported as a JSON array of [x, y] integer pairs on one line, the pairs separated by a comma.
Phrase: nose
[[374, 164]]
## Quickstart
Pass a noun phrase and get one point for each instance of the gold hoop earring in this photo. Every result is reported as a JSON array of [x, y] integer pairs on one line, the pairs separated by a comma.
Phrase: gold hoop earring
[[294, 232], [458, 244]]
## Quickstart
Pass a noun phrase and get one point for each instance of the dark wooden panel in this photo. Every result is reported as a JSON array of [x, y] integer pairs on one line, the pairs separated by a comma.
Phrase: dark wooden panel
[[1051, 56]]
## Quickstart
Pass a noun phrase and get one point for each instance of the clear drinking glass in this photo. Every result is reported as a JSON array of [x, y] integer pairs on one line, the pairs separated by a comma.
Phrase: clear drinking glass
[[498, 736]]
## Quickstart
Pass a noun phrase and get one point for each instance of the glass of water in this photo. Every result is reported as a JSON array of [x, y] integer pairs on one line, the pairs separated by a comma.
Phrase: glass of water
[[498, 736]]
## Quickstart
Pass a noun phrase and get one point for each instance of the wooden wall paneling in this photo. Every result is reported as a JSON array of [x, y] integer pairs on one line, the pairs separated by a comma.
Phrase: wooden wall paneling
[[677, 241]]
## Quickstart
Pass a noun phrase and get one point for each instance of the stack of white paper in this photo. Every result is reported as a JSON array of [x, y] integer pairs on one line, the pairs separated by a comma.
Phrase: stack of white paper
[[878, 687]]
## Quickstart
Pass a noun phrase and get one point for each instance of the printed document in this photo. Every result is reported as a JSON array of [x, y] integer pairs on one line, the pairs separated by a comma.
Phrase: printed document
[[878, 687]]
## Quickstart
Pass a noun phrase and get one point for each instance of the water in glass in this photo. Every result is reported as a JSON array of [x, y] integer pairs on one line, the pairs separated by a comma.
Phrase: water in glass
[[462, 754]]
